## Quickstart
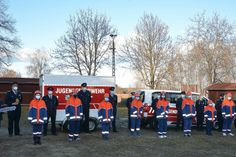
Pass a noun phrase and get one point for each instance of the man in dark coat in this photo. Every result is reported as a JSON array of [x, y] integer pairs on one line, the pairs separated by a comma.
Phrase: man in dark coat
[[200, 104], [128, 104], [218, 107], [179, 111], [14, 98], [234, 118], [51, 103], [113, 101], [1, 103], [156, 97], [85, 96]]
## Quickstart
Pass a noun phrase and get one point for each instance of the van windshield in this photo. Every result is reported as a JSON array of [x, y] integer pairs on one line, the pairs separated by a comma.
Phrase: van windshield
[[195, 97], [172, 97]]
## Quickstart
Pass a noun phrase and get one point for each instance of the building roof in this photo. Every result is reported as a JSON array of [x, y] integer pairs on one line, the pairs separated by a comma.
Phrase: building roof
[[222, 87], [74, 80]]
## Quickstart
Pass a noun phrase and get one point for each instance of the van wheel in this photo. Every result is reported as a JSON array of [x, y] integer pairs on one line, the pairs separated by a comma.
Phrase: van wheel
[[216, 125], [154, 124], [65, 126], [143, 123], [92, 124]]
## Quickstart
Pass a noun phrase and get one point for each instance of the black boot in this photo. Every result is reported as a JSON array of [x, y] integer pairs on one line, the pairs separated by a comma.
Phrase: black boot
[[103, 137], [35, 139], [70, 139], [45, 133], [39, 140], [114, 129]]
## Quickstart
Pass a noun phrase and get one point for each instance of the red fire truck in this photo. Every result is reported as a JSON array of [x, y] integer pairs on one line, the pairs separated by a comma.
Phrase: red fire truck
[[172, 96], [64, 85]]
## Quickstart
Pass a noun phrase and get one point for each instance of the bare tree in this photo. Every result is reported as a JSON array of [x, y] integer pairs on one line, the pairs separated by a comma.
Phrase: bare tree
[[148, 51], [84, 47], [9, 73], [209, 41], [8, 41], [39, 64]]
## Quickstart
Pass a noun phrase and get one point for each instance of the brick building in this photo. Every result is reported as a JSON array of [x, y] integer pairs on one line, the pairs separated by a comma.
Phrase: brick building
[[26, 85], [215, 90]]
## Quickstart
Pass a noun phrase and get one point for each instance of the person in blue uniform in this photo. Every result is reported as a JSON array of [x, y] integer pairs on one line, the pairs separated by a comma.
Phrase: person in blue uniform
[[136, 112], [74, 114], [162, 110], [180, 119], [200, 104], [1, 103], [85, 96], [51, 103], [37, 116], [210, 115], [228, 113], [128, 105], [14, 98], [113, 101], [189, 112], [218, 107], [105, 116]]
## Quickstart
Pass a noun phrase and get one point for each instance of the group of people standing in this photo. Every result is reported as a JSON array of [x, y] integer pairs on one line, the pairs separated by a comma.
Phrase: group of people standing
[[78, 106], [41, 109], [225, 104], [224, 112], [77, 113], [14, 98]]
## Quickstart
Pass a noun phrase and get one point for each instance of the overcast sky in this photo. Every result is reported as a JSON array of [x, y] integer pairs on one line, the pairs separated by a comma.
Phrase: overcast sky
[[41, 22]]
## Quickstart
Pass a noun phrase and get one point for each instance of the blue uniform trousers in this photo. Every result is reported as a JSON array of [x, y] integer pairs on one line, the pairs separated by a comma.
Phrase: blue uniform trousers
[[105, 129], [187, 125], [209, 125], [135, 124], [227, 125], [162, 126], [74, 128], [37, 129]]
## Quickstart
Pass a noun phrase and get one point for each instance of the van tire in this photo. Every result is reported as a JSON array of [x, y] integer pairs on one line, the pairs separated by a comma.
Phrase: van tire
[[65, 126], [216, 125], [92, 124]]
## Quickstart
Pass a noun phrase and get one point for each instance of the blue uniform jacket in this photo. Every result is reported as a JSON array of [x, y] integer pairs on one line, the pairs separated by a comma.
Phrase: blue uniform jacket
[[228, 109], [37, 112], [210, 113], [188, 108], [136, 112], [105, 112], [74, 109]]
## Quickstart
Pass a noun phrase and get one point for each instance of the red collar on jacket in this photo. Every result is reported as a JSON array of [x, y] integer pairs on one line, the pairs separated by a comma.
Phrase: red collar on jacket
[[162, 102], [105, 104], [137, 103], [211, 109], [37, 104], [189, 102], [74, 101]]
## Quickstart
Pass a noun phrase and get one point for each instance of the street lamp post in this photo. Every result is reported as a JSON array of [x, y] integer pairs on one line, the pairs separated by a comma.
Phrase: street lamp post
[[113, 36]]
